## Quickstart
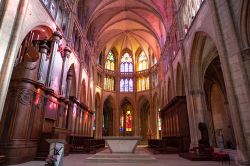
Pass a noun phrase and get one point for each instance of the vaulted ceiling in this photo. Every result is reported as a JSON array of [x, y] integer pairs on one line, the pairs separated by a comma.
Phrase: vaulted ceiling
[[129, 24]]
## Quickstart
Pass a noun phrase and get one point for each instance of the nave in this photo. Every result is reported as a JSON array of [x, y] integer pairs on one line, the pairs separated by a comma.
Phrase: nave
[[161, 160]]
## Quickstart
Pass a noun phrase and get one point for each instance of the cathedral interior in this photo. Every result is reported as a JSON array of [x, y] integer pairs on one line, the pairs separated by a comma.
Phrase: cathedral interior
[[174, 72]]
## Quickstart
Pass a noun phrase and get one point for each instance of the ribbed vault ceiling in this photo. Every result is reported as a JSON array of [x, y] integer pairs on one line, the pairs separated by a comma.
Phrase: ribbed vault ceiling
[[129, 24]]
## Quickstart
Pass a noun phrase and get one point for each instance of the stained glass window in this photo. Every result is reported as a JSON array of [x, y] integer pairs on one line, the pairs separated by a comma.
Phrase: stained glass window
[[126, 85], [110, 62], [159, 121], [126, 63], [130, 85], [128, 121], [109, 83], [122, 122], [142, 62], [122, 86], [143, 83]]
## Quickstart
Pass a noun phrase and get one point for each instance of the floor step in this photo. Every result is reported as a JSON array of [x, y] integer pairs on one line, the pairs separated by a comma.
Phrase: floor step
[[121, 158]]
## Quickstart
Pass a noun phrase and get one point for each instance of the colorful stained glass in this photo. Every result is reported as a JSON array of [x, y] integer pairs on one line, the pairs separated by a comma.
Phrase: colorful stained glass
[[126, 63], [128, 121], [143, 62], [110, 62], [126, 85]]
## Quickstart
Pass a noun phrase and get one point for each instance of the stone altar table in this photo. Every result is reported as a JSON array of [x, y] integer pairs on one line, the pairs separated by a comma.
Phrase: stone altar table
[[122, 144]]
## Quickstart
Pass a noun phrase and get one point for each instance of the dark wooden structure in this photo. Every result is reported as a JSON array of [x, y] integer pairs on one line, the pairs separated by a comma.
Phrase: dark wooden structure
[[175, 128], [33, 112], [81, 144]]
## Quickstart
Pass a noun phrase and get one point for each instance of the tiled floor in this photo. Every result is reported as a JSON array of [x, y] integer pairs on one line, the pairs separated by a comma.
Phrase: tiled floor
[[162, 160]]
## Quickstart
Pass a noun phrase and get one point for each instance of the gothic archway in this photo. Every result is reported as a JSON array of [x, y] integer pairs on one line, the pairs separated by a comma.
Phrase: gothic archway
[[107, 126], [218, 120], [144, 112], [126, 124]]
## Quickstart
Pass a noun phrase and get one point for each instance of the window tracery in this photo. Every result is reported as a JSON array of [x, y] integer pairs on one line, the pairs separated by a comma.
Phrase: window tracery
[[126, 63], [109, 83], [110, 62], [142, 62], [126, 85], [143, 83]]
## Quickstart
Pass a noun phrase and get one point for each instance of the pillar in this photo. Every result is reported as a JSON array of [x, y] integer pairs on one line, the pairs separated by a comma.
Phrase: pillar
[[54, 48]]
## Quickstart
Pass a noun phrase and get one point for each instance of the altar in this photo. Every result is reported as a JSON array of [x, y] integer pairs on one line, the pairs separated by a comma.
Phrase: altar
[[122, 144]]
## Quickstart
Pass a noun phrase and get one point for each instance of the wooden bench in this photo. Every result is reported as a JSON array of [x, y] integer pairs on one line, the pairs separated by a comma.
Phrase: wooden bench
[[2, 160], [170, 144], [81, 144], [221, 157]]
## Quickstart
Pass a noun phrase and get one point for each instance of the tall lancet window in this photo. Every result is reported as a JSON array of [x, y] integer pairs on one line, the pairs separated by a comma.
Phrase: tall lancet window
[[126, 63], [142, 62], [110, 62]]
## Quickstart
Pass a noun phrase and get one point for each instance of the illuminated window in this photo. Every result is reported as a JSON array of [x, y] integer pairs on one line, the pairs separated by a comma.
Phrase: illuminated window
[[126, 63], [109, 83], [128, 121], [110, 62], [142, 62], [122, 123], [126, 85], [122, 85], [143, 83], [159, 121]]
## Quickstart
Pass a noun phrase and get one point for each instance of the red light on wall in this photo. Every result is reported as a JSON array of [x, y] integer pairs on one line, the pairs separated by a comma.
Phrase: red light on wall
[[38, 94]]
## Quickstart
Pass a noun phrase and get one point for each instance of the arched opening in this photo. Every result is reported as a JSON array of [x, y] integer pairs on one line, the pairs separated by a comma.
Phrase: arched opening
[[71, 82], [219, 120], [180, 86], [83, 92], [107, 123], [145, 128], [126, 118]]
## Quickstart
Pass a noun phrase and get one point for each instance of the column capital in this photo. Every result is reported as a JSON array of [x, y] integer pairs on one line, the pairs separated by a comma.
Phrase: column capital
[[43, 48], [57, 36]]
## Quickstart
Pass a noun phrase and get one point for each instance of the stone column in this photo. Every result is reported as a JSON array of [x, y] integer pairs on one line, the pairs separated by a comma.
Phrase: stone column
[[235, 76], [153, 120], [66, 54], [99, 116], [12, 26], [43, 49], [54, 48], [69, 80]]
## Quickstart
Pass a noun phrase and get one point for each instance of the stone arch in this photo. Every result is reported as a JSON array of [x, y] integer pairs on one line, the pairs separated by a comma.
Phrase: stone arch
[[27, 46], [201, 53], [127, 111], [180, 86], [108, 116], [218, 114], [71, 73], [144, 117]]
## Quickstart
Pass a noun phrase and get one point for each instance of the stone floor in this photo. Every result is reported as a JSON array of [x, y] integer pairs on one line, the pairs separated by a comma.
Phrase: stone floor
[[162, 160]]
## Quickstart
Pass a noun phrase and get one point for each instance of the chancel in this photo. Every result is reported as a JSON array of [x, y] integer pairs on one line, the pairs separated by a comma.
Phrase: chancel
[[114, 82]]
